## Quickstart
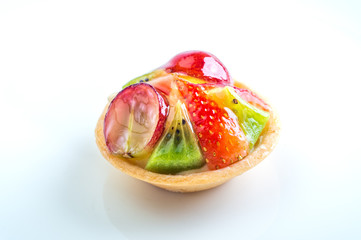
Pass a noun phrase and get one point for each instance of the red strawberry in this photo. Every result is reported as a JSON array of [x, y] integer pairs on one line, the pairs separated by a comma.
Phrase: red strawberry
[[221, 138], [252, 98], [200, 65]]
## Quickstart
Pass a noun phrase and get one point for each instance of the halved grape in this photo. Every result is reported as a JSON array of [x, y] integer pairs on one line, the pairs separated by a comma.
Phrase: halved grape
[[135, 121]]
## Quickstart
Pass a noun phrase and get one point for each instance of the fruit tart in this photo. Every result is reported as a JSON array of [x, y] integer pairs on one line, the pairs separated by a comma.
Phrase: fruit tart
[[186, 126]]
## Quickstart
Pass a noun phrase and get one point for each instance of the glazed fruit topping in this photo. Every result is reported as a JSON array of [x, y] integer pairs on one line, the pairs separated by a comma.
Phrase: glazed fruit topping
[[178, 150], [184, 115], [251, 119], [252, 98], [135, 121], [200, 65], [146, 77], [220, 136], [163, 83]]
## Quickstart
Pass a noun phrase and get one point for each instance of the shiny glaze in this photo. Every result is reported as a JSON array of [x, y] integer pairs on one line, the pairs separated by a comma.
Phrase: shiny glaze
[[135, 120], [200, 65]]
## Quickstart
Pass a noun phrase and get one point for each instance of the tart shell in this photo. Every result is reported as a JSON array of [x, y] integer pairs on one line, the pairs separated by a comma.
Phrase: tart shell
[[193, 182]]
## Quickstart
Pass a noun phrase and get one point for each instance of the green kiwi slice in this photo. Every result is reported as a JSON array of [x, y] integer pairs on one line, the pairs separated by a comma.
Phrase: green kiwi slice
[[178, 150]]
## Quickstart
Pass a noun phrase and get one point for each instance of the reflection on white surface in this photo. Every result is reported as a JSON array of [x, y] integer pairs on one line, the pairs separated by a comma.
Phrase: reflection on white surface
[[247, 204]]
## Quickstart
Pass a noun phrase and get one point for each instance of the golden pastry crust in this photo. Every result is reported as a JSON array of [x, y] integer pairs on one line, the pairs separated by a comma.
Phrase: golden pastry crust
[[193, 182]]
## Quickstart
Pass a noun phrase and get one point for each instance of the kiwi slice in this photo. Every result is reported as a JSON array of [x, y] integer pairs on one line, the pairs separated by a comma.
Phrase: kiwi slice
[[178, 150], [146, 77]]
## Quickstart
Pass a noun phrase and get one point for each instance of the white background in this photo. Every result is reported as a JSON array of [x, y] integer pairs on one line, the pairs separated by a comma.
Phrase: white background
[[59, 60]]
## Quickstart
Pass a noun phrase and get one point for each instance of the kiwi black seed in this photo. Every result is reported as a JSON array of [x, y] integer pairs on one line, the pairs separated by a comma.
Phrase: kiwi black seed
[[169, 135]]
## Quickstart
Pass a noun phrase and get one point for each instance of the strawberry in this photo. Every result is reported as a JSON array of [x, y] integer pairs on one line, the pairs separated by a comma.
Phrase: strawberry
[[220, 136]]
